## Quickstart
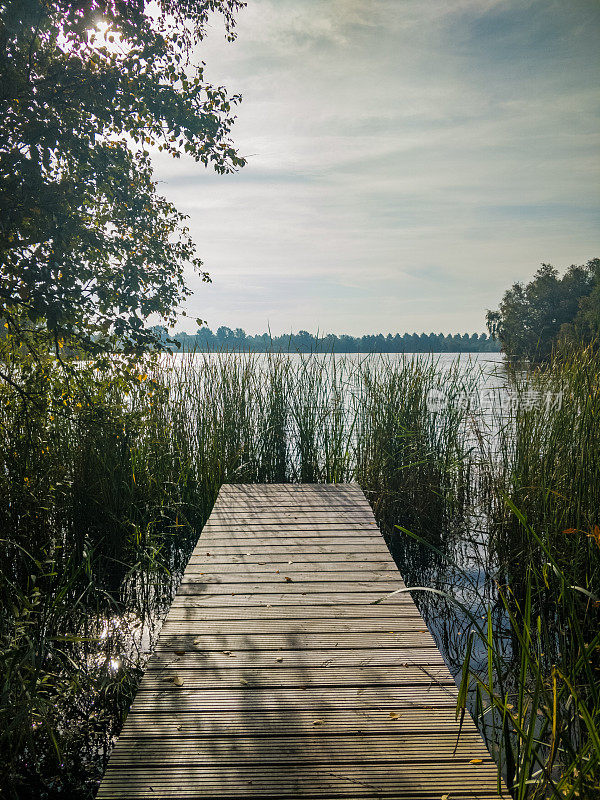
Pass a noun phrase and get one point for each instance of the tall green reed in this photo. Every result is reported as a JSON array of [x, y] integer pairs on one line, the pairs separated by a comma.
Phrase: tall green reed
[[537, 485], [547, 461]]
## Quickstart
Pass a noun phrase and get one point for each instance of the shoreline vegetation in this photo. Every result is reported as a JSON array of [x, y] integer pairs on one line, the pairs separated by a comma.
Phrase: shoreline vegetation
[[106, 484]]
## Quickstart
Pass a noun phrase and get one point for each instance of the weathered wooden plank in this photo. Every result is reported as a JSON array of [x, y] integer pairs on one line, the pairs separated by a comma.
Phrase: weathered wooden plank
[[337, 548], [211, 566], [291, 520], [189, 720], [284, 700], [355, 748], [307, 562], [368, 559], [257, 600], [265, 494], [251, 531], [319, 514], [167, 663], [282, 490], [279, 584], [190, 723], [284, 577], [300, 545], [194, 642], [289, 523], [209, 574], [304, 503], [287, 515], [408, 780], [244, 675], [294, 488], [276, 585], [281, 527], [284, 668], [197, 773], [194, 610], [257, 529], [294, 541], [198, 625]]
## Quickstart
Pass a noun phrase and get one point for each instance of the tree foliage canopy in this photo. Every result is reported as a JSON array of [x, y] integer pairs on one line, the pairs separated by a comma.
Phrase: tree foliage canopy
[[88, 248], [534, 318]]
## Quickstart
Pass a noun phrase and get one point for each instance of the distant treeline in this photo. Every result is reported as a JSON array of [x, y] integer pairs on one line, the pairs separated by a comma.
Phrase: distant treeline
[[304, 342]]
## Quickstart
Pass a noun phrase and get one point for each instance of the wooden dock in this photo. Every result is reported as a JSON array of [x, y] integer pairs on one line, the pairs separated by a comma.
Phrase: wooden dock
[[275, 676]]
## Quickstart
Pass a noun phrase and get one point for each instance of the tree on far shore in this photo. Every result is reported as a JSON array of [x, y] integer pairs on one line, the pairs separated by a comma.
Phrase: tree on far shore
[[534, 319]]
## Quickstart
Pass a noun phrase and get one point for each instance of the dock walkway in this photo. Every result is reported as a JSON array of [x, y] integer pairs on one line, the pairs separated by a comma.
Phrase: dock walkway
[[276, 677]]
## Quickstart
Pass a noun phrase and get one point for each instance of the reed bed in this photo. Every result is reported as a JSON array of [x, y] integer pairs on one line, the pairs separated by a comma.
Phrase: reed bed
[[541, 498], [105, 488]]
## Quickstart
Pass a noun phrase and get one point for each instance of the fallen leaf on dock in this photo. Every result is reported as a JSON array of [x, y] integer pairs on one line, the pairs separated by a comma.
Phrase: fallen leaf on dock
[[476, 761], [394, 715], [318, 722], [177, 681]]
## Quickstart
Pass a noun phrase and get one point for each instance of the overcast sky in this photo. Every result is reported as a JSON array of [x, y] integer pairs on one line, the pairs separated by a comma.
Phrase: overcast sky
[[407, 161]]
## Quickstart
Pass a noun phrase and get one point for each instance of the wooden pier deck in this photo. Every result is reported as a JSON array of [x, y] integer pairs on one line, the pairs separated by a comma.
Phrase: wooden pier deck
[[276, 677]]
